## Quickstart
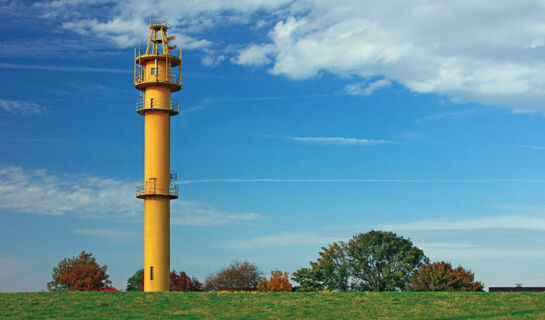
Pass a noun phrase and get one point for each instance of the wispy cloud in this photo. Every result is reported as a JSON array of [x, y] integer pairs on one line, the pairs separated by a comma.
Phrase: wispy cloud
[[368, 180], [20, 107], [504, 222], [339, 141], [451, 115], [533, 209], [80, 195], [365, 88], [279, 240], [62, 68], [533, 147], [112, 235]]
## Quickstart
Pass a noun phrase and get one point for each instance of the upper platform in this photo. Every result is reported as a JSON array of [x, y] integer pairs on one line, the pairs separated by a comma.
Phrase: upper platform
[[144, 58]]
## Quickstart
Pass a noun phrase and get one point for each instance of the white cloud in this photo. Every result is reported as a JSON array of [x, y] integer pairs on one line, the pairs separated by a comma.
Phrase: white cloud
[[112, 235], [365, 88], [40, 192], [468, 52], [279, 240], [20, 107], [339, 140]]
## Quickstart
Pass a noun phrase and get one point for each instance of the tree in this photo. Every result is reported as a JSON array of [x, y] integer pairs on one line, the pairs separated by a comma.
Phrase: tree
[[279, 281], [80, 273], [182, 282], [136, 281], [330, 271], [382, 261], [239, 276], [440, 276], [377, 260], [309, 279]]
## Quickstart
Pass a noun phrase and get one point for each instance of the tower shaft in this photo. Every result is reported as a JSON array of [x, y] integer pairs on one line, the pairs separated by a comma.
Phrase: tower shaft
[[154, 77]]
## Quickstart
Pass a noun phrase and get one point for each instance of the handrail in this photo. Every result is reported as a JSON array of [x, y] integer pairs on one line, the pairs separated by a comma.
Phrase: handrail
[[157, 104], [151, 189], [141, 75]]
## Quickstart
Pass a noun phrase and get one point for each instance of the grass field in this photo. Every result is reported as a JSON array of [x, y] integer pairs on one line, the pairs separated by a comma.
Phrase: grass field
[[193, 305]]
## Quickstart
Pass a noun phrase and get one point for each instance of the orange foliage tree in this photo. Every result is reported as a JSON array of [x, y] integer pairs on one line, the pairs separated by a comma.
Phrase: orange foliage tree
[[440, 276], [279, 281], [80, 273]]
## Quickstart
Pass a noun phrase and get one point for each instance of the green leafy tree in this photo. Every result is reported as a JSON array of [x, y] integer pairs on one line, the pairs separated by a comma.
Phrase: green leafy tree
[[309, 279], [440, 276], [81, 273], [330, 271], [136, 281], [382, 261]]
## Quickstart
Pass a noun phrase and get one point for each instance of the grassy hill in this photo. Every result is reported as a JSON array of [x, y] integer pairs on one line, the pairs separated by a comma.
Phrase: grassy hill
[[324, 305]]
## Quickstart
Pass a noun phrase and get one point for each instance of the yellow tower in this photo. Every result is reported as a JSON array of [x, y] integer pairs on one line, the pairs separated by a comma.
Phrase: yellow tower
[[154, 77]]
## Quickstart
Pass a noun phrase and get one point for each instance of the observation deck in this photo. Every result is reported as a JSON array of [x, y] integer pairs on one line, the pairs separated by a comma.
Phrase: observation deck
[[144, 79], [150, 189]]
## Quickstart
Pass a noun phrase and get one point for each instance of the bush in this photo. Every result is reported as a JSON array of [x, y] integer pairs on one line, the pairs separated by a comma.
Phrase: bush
[[440, 276], [80, 273], [263, 285], [239, 276]]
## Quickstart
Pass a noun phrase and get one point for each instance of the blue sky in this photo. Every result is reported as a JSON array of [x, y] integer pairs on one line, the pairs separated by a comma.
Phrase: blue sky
[[302, 123]]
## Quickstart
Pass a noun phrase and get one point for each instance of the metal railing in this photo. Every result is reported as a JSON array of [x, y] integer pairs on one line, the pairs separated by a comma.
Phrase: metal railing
[[157, 104], [158, 20], [141, 75], [151, 189]]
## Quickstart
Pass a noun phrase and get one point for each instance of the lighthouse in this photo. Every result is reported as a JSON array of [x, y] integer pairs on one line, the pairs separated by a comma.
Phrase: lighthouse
[[156, 77]]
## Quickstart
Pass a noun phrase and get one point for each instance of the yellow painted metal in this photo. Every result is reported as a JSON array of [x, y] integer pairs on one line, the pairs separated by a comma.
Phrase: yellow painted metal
[[153, 76]]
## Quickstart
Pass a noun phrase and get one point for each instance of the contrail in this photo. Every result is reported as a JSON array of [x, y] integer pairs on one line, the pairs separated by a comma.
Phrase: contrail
[[370, 180]]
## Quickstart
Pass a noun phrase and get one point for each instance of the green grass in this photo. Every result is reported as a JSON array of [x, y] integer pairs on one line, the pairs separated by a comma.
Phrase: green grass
[[326, 305]]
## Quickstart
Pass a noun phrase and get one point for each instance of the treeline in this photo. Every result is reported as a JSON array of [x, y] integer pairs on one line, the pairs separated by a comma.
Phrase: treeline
[[373, 261]]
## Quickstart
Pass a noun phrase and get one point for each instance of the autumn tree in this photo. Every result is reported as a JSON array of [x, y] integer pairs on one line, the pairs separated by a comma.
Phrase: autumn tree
[[136, 281], [182, 282], [441, 276], [80, 273], [279, 281], [239, 276]]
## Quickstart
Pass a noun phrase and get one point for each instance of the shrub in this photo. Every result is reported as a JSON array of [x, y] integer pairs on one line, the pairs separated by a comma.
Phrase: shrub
[[440, 276], [263, 285], [80, 273]]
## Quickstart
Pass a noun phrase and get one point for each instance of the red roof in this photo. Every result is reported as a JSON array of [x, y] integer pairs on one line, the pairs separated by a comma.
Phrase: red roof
[[112, 289]]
